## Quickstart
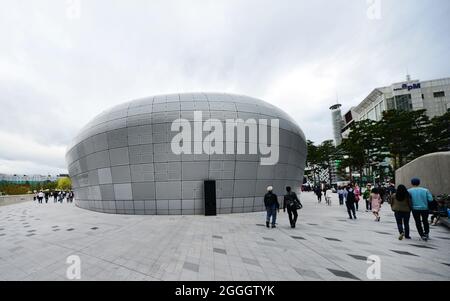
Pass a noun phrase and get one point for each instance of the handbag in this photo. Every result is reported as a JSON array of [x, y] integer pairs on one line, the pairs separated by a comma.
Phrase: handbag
[[298, 205]]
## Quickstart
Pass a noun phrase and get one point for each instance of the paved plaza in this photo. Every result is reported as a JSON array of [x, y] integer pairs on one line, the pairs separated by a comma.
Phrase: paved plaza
[[36, 240]]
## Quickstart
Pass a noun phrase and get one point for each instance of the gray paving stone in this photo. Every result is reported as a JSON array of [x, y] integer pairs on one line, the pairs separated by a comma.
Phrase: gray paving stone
[[298, 237], [250, 261], [404, 253], [343, 274], [332, 239], [220, 251], [229, 247], [358, 257], [307, 273]]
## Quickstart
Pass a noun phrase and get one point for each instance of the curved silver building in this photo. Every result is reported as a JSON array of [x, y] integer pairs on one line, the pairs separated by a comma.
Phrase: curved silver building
[[152, 155]]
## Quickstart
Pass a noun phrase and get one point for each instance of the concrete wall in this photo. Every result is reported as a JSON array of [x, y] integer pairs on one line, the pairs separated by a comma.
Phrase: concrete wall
[[433, 170], [13, 199]]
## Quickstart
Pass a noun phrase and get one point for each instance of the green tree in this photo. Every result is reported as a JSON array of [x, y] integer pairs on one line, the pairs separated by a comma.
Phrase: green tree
[[49, 185], [438, 134], [312, 158], [363, 150], [64, 184], [404, 134], [326, 155]]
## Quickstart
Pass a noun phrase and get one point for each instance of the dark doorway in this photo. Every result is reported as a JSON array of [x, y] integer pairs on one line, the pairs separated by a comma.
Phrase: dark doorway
[[210, 198]]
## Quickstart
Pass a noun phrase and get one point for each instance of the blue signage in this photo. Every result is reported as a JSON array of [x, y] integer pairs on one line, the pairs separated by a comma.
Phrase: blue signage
[[410, 87]]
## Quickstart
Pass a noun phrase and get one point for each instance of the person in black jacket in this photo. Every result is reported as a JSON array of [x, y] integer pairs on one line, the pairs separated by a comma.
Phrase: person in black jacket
[[318, 192], [272, 206], [350, 202], [290, 203]]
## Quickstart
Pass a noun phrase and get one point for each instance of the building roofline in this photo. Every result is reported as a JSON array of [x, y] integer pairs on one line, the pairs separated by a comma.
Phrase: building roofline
[[368, 100]]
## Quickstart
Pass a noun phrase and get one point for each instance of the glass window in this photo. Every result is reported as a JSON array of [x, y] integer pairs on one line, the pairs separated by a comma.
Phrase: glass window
[[439, 94], [372, 114], [403, 102], [390, 104], [378, 111]]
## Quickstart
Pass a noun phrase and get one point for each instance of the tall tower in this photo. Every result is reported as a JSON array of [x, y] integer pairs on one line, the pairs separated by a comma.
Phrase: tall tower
[[337, 123]]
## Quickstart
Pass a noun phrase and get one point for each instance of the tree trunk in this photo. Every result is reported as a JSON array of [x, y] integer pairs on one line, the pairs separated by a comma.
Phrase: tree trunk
[[351, 174], [329, 175], [361, 170]]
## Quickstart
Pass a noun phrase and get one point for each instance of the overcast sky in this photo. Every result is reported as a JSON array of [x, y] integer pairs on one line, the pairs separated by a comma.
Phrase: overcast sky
[[63, 62]]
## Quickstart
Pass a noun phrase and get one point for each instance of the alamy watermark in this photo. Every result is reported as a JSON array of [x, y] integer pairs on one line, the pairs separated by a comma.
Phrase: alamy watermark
[[374, 9], [374, 270], [215, 142], [73, 272], [73, 9]]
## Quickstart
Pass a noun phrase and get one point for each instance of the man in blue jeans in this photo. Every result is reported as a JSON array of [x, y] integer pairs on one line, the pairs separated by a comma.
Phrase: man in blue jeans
[[272, 206], [420, 198]]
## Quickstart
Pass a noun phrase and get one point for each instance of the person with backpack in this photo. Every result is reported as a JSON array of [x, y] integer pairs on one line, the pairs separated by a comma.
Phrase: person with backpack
[[350, 202], [400, 202], [420, 198], [272, 206], [291, 203]]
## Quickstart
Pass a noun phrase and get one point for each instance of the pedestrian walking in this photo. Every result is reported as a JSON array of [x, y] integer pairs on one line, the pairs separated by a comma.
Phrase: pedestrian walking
[[319, 194], [350, 202], [376, 201], [71, 196], [292, 204], [341, 195], [400, 202], [46, 196], [366, 196], [55, 196], [357, 192], [420, 198], [40, 196], [272, 206]]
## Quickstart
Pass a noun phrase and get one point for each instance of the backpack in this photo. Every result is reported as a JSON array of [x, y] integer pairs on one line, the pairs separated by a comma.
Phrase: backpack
[[293, 202]]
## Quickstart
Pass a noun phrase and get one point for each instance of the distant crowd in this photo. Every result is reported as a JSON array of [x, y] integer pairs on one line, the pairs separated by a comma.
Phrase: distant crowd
[[417, 201], [57, 195]]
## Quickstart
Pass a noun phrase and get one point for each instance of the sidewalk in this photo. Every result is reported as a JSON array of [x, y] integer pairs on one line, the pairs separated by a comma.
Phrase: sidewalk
[[36, 239]]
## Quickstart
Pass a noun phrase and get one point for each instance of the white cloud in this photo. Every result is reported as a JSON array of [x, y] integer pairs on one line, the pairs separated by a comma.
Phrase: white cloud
[[57, 73], [18, 148]]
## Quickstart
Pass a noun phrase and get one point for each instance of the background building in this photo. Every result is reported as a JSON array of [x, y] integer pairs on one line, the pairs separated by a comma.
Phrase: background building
[[122, 162], [22, 179], [338, 123], [433, 95]]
